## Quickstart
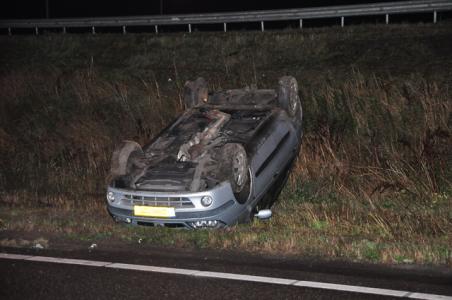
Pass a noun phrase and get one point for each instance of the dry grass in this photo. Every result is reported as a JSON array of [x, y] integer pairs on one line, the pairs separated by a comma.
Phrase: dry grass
[[373, 179]]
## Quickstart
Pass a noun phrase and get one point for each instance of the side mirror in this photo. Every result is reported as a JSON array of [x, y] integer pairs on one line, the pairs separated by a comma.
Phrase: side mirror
[[264, 214]]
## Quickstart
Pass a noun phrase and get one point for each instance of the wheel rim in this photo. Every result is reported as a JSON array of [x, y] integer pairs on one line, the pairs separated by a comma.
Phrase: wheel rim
[[239, 169]]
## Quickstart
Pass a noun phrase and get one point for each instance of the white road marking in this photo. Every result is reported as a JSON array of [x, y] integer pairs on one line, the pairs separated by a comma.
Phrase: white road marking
[[427, 296], [14, 256], [230, 276], [152, 269], [69, 261], [242, 277]]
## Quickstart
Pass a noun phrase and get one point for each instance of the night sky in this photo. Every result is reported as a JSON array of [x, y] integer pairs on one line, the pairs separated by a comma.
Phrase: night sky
[[86, 8]]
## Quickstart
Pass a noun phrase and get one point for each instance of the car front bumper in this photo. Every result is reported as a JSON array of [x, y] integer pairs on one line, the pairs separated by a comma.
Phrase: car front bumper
[[224, 210]]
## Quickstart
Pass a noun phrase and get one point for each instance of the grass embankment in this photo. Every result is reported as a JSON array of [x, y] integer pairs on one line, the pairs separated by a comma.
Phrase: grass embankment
[[373, 179]]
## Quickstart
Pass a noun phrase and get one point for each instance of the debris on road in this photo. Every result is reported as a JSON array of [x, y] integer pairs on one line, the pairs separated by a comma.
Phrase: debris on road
[[37, 246]]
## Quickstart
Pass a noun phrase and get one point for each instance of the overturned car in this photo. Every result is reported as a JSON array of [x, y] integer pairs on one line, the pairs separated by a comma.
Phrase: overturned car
[[222, 162]]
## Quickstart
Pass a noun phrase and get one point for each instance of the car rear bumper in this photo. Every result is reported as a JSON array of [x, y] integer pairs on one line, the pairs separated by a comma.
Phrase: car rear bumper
[[189, 211]]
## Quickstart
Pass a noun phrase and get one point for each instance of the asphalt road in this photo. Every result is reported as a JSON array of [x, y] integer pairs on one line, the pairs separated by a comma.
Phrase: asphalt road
[[20, 279]]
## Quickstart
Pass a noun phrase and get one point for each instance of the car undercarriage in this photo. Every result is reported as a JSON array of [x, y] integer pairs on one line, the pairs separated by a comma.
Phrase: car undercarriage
[[227, 142]]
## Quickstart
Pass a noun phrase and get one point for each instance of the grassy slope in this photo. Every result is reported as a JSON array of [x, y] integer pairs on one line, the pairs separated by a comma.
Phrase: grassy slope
[[373, 179]]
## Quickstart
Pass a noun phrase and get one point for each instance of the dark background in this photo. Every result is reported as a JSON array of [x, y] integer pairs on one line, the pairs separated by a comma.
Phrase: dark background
[[85, 8]]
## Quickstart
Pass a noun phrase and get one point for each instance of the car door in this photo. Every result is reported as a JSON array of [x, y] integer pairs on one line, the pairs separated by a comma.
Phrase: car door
[[276, 149]]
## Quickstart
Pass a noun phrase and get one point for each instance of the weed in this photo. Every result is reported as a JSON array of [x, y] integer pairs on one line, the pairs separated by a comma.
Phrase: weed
[[374, 165]]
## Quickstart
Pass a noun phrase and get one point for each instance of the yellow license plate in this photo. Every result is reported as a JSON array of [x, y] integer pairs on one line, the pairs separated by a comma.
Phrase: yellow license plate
[[152, 211]]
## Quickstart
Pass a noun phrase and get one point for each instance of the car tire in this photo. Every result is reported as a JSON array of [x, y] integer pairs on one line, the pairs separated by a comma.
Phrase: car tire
[[235, 164], [127, 157], [195, 93], [288, 98]]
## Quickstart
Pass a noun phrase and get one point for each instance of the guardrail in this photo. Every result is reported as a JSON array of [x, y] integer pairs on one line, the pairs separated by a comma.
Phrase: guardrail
[[388, 8]]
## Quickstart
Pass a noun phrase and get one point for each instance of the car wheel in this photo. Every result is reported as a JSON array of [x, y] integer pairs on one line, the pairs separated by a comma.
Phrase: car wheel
[[238, 169], [127, 157], [288, 98], [195, 93]]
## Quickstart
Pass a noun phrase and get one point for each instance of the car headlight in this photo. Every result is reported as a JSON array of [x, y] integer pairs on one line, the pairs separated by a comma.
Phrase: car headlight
[[111, 197], [206, 201]]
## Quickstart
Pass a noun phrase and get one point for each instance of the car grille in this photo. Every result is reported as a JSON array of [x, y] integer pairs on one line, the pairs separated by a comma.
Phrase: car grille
[[176, 202]]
